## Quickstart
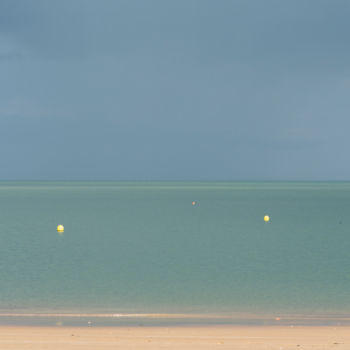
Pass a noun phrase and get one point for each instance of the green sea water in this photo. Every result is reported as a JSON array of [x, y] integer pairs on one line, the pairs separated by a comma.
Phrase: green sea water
[[144, 247]]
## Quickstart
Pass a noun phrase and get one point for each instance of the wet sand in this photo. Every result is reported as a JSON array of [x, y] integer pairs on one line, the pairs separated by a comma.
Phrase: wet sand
[[188, 338]]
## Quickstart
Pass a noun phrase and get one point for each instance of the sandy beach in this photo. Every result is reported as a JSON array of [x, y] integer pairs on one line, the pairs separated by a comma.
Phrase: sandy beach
[[191, 338]]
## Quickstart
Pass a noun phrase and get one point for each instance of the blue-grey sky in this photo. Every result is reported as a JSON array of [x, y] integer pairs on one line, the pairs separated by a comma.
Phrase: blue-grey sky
[[174, 90]]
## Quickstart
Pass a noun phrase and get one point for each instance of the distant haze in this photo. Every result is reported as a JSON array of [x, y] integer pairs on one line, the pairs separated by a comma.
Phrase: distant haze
[[174, 90]]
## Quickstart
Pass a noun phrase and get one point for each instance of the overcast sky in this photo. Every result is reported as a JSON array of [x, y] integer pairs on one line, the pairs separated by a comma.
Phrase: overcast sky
[[175, 90]]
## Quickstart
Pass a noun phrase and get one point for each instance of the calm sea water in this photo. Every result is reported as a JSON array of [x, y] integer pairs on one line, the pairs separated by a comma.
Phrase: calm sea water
[[144, 247]]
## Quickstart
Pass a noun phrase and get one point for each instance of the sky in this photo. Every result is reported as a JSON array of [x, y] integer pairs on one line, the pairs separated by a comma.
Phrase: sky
[[174, 90]]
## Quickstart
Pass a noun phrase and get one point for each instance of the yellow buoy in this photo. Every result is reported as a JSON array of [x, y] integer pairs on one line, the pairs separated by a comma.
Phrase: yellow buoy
[[266, 218], [60, 228]]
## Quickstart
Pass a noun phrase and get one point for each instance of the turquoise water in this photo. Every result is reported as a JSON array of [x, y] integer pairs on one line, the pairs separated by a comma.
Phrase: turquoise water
[[143, 247]]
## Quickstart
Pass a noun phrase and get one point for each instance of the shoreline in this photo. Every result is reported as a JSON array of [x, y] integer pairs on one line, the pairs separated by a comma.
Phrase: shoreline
[[78, 319]]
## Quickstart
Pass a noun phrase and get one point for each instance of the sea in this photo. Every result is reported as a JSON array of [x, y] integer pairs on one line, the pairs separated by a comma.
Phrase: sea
[[176, 252]]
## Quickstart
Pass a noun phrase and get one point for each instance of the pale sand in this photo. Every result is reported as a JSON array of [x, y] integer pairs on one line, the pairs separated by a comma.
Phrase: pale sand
[[215, 337]]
